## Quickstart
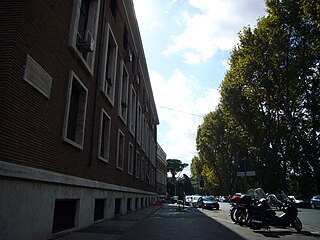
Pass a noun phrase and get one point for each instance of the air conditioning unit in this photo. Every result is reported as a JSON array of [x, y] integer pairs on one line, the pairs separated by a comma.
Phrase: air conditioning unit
[[85, 42]]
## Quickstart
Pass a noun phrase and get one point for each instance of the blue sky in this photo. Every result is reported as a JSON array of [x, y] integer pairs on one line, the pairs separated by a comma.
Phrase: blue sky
[[187, 45]]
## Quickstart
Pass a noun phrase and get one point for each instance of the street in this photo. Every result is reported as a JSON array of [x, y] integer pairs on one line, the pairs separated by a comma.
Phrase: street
[[173, 222], [192, 223], [310, 219]]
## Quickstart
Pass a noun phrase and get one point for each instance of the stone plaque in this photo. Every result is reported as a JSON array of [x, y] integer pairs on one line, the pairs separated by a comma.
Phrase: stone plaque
[[36, 76]]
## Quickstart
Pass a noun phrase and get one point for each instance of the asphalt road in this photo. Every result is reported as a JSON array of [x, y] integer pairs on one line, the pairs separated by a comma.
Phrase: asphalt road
[[310, 219], [172, 223]]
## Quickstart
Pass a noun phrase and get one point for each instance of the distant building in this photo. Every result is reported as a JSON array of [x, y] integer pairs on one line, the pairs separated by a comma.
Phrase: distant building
[[78, 138], [161, 172]]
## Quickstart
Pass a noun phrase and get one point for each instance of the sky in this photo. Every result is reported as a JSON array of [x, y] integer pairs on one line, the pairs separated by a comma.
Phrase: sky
[[187, 44]]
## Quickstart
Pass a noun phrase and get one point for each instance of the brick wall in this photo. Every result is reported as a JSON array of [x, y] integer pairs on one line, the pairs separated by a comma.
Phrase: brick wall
[[31, 124]]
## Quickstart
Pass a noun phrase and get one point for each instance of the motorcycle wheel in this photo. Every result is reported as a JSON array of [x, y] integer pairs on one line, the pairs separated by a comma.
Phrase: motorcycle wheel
[[241, 216], [232, 214], [296, 224]]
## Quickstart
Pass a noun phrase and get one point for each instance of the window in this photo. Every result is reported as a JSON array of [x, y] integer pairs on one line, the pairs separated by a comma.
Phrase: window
[[147, 173], [113, 8], [109, 64], [142, 172], [99, 205], [139, 117], [120, 152], [83, 30], [133, 111], [130, 159], [75, 115], [65, 211], [143, 132], [123, 92], [104, 141], [137, 164]]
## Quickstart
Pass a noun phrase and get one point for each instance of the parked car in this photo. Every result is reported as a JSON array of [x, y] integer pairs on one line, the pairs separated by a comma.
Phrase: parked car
[[315, 201], [208, 202], [189, 199], [195, 200], [236, 197], [299, 201]]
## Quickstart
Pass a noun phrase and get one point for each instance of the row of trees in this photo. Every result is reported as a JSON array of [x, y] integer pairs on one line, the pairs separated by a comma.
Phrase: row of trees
[[269, 108]]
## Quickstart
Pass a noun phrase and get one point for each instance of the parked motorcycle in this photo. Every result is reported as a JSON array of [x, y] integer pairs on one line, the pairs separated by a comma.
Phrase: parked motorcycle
[[238, 210], [262, 216]]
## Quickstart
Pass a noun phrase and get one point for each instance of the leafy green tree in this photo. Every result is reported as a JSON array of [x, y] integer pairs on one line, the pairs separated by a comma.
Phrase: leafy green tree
[[269, 113], [272, 90], [174, 166]]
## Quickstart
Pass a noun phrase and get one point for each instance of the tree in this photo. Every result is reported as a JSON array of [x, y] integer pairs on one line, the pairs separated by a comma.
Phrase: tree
[[175, 166], [269, 113], [272, 90]]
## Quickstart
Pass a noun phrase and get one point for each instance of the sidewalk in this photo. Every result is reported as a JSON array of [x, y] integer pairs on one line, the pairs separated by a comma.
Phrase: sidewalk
[[111, 229]]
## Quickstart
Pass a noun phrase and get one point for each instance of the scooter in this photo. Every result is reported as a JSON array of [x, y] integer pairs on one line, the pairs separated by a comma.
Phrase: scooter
[[262, 216]]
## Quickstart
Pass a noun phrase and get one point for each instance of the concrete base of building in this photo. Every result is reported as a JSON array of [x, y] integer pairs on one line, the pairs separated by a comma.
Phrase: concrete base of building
[[38, 204]]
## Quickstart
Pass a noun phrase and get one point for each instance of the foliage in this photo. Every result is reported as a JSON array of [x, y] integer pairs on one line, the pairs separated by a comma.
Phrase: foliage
[[269, 110], [174, 166]]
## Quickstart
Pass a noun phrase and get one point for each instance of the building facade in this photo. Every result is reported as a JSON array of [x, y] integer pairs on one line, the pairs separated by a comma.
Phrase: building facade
[[161, 168], [78, 139]]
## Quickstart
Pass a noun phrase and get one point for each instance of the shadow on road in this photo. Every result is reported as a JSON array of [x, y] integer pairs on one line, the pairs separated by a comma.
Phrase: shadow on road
[[281, 233], [174, 223]]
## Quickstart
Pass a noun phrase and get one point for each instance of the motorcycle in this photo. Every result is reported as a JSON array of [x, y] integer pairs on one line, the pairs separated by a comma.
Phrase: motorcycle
[[262, 216], [239, 211]]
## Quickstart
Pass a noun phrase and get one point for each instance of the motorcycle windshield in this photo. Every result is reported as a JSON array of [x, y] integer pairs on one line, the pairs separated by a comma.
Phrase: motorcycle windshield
[[259, 194], [285, 197], [250, 192]]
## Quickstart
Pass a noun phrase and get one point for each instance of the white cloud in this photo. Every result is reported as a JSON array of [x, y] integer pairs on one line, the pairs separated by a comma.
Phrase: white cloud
[[148, 18], [195, 30], [226, 64], [214, 28], [180, 93]]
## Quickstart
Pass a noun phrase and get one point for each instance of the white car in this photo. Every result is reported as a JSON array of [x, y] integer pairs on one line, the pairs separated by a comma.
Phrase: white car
[[195, 199], [191, 200], [298, 200]]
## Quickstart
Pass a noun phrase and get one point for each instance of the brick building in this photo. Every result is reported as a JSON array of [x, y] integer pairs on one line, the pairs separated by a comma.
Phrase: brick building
[[78, 138]]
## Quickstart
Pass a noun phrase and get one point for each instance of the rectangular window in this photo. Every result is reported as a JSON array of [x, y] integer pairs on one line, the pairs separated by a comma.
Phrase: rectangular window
[[147, 140], [147, 173], [120, 152], [113, 8], [139, 124], [83, 30], [117, 207], [99, 209], [104, 143], [142, 172], [143, 132], [123, 92], [64, 214], [109, 65], [130, 159], [75, 115], [133, 111], [137, 164]]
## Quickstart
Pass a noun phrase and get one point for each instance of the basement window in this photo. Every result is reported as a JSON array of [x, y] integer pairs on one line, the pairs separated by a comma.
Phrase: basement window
[[64, 215], [99, 209]]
